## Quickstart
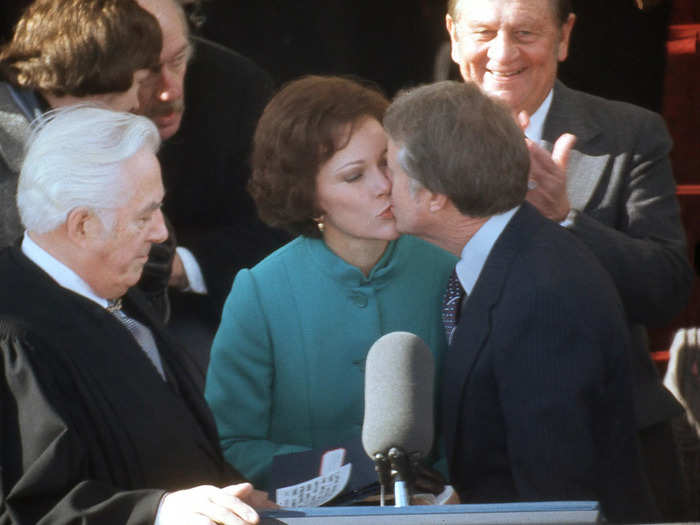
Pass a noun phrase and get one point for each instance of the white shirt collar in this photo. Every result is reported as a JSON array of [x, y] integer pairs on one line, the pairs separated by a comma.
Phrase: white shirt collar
[[536, 125], [478, 248], [58, 271]]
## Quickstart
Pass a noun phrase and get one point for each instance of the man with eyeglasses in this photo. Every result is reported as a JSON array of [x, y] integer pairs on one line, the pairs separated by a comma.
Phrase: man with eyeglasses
[[205, 100]]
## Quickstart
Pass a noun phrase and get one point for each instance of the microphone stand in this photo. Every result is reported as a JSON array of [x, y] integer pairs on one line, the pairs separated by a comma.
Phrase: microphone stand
[[403, 475], [402, 469], [383, 469]]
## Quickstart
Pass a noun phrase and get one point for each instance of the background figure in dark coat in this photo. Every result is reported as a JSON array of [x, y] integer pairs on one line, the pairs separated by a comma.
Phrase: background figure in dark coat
[[537, 400], [205, 100], [101, 410], [332, 37], [205, 171]]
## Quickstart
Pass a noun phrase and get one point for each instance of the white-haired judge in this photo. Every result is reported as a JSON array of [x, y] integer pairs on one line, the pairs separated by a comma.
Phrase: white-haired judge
[[101, 418]]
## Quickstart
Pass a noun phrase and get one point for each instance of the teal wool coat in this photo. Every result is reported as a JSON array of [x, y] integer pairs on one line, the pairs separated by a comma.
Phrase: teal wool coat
[[287, 363]]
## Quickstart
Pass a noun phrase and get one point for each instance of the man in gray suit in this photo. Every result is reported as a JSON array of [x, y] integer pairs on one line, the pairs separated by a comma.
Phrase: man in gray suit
[[607, 179]]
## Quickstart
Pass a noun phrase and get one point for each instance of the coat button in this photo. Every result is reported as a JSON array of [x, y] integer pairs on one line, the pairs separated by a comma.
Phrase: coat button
[[359, 299]]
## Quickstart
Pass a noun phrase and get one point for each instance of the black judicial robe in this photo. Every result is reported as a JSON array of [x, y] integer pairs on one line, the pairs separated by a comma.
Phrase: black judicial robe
[[90, 432]]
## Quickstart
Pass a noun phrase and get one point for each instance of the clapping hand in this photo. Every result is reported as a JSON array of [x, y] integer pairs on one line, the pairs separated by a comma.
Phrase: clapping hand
[[547, 181]]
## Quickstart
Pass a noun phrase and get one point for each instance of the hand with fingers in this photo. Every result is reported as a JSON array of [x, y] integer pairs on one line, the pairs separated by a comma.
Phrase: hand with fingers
[[208, 505], [547, 180]]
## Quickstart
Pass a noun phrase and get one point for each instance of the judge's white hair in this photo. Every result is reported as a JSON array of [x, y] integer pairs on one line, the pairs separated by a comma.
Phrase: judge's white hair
[[73, 159]]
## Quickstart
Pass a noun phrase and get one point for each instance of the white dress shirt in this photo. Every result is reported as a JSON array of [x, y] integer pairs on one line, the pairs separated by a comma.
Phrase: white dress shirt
[[533, 131], [478, 248], [193, 272], [68, 279], [58, 271]]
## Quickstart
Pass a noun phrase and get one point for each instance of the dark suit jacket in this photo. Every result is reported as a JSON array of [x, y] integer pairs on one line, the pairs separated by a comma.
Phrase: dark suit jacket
[[90, 432], [205, 171], [620, 180], [536, 395]]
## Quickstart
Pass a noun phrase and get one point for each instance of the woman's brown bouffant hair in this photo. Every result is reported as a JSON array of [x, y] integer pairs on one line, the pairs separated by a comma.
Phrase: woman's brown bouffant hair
[[304, 124]]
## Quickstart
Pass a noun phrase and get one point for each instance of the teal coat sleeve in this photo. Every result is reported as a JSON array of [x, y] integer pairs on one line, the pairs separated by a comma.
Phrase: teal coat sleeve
[[240, 382]]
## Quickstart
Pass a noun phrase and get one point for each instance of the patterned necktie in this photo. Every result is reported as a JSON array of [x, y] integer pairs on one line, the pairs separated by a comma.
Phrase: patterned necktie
[[142, 334], [451, 302]]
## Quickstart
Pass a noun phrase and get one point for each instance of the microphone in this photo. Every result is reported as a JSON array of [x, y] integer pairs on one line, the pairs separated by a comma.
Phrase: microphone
[[397, 430]]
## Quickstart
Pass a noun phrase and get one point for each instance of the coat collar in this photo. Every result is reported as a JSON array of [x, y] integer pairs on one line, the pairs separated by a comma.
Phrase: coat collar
[[567, 115], [180, 369], [37, 282], [339, 270]]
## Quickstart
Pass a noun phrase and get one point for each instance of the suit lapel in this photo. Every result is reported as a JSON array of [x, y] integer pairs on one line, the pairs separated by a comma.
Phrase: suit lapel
[[568, 115], [475, 325], [469, 339]]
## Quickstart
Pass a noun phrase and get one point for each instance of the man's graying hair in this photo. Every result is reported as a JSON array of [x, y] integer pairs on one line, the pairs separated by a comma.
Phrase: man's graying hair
[[74, 159], [457, 141], [562, 9]]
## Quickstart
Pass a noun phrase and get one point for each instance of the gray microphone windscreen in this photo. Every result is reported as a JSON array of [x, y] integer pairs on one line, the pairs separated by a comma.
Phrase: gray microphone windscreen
[[399, 376]]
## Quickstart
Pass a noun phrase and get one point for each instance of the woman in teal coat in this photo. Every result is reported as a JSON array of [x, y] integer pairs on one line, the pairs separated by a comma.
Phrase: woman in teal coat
[[287, 363]]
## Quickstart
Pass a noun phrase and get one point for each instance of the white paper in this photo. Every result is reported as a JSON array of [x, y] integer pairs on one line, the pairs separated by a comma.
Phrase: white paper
[[332, 461], [316, 491]]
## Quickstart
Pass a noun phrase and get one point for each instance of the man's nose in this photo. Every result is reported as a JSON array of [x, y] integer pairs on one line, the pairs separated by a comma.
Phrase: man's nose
[[502, 48], [169, 86], [159, 231]]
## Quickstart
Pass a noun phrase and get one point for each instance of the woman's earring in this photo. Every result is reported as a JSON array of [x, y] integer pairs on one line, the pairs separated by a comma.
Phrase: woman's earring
[[319, 224]]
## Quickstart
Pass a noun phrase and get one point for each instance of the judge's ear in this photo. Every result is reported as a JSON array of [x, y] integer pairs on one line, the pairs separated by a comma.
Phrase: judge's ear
[[83, 225]]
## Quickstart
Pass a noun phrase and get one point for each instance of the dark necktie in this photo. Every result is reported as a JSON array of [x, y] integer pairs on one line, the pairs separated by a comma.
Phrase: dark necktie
[[142, 334], [451, 302]]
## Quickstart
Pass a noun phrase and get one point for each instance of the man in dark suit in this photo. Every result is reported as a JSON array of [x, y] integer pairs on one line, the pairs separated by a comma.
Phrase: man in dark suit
[[607, 180], [99, 406], [536, 399], [205, 100]]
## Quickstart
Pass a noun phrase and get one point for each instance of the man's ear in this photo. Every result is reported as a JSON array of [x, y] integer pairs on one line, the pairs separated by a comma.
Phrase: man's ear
[[437, 202], [565, 37], [451, 26], [82, 225]]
